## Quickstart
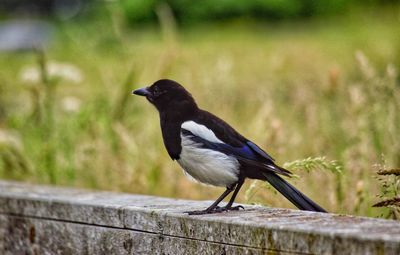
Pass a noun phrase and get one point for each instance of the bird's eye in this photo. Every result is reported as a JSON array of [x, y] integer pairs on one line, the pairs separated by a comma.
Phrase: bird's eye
[[157, 92]]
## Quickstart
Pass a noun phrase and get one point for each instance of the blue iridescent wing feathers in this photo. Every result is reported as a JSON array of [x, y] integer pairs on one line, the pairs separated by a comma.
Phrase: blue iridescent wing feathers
[[249, 153], [258, 150]]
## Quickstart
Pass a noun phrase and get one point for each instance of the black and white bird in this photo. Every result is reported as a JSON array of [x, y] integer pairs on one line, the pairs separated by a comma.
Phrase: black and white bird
[[211, 151]]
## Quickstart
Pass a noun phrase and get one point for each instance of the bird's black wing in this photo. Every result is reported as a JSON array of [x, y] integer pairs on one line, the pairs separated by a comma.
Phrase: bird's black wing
[[254, 147], [232, 143]]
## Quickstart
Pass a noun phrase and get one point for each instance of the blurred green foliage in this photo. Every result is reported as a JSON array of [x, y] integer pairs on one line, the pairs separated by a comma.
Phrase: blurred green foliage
[[325, 90], [207, 10]]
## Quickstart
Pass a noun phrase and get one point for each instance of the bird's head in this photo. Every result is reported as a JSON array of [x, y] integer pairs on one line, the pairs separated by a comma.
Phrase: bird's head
[[168, 95]]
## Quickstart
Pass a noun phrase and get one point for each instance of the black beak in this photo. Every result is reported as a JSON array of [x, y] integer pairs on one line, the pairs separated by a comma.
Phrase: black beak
[[141, 92]]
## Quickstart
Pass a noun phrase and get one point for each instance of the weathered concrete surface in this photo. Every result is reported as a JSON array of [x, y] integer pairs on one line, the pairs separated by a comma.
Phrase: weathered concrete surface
[[49, 220]]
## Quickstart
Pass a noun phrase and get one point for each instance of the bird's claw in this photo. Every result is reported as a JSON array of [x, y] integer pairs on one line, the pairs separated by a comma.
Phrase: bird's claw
[[235, 208], [216, 210]]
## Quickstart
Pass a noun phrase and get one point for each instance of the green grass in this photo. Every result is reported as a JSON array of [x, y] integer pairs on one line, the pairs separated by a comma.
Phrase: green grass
[[319, 88]]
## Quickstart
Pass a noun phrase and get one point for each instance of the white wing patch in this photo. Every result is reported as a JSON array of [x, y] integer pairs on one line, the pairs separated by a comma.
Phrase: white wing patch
[[201, 131], [206, 165]]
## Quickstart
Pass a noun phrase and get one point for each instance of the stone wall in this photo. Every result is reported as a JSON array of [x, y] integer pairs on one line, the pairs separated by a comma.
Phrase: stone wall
[[51, 220]]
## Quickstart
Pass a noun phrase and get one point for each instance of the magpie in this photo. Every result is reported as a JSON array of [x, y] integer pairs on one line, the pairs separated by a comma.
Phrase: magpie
[[210, 151]]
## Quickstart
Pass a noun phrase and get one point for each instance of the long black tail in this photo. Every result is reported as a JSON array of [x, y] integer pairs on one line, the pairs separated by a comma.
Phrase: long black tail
[[292, 194]]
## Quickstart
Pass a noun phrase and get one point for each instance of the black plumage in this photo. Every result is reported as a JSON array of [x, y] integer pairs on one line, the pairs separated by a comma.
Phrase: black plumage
[[196, 138]]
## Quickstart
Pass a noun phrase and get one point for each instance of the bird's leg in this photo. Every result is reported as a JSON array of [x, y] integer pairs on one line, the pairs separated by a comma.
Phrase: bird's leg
[[214, 206], [229, 206]]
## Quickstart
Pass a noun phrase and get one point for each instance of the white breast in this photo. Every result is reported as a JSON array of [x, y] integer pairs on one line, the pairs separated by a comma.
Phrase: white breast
[[205, 165]]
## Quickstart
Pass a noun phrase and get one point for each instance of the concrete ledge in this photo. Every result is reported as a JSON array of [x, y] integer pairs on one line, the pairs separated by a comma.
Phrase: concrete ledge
[[50, 220]]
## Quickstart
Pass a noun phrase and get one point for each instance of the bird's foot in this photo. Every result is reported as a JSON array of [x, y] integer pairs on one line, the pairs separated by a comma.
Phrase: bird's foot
[[228, 208], [216, 210], [234, 208]]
